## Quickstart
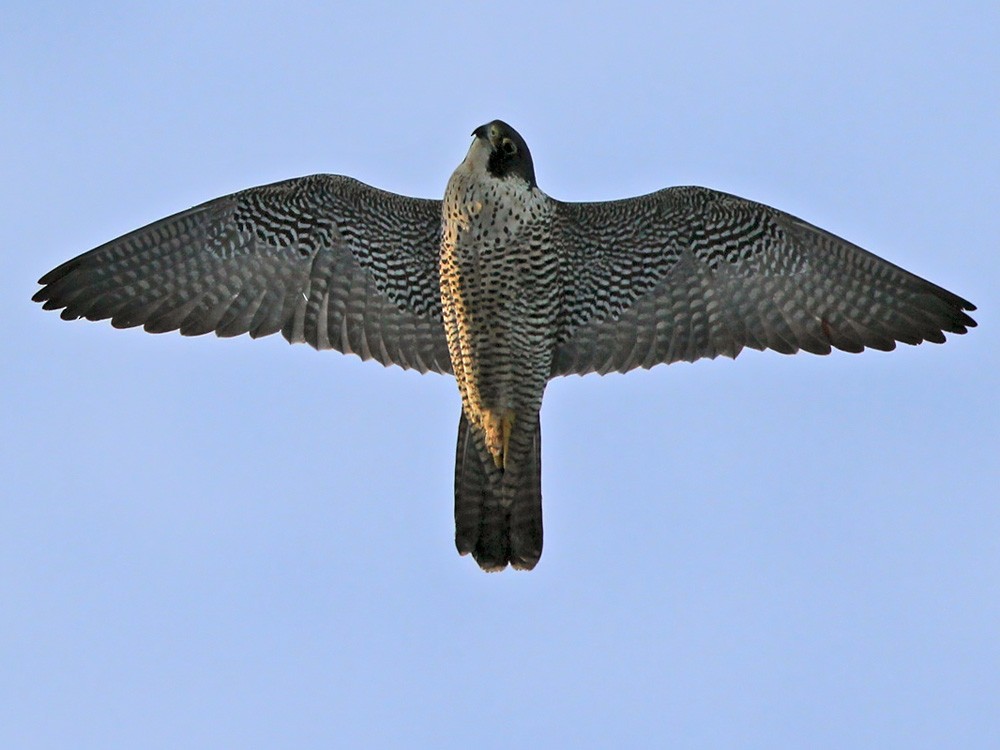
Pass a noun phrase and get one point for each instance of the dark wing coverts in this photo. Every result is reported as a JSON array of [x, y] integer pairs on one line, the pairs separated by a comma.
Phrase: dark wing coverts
[[686, 273], [324, 259]]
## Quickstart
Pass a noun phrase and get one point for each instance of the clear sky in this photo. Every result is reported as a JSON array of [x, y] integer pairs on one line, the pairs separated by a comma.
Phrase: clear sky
[[212, 544]]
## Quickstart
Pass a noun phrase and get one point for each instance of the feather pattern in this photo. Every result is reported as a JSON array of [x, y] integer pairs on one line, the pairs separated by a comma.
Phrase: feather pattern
[[686, 273], [325, 259]]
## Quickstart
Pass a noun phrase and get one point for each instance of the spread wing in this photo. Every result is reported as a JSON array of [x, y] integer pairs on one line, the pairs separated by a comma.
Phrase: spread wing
[[686, 273], [324, 259]]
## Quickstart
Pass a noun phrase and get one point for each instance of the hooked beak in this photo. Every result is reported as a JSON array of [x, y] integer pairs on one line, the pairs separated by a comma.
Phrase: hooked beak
[[487, 132]]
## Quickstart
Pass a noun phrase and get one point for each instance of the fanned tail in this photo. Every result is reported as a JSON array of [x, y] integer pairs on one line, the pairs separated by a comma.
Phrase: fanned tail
[[498, 512]]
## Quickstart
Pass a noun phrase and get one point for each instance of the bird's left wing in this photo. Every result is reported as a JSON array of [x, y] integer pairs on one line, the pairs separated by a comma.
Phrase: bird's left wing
[[324, 259], [689, 272]]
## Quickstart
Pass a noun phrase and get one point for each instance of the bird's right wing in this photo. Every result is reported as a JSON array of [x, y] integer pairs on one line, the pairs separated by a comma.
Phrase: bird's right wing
[[689, 272], [324, 259]]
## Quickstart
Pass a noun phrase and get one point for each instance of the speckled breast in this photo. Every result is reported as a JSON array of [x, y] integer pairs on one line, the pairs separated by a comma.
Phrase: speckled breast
[[499, 291]]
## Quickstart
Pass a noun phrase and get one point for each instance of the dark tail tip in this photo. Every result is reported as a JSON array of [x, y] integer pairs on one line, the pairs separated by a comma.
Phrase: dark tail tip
[[498, 517]]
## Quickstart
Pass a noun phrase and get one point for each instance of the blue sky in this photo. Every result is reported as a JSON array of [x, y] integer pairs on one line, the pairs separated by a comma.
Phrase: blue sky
[[241, 543]]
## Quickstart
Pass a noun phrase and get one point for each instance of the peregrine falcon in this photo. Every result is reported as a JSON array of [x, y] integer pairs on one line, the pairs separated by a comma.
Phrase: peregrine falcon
[[503, 287]]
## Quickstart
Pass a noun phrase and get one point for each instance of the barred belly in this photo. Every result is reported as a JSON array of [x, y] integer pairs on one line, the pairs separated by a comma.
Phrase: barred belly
[[499, 294]]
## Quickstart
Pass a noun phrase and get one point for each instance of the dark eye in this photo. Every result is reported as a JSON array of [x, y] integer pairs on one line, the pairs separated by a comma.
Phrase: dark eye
[[508, 146]]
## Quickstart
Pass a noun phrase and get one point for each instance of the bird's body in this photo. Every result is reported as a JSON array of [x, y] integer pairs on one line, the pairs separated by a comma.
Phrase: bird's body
[[501, 302], [505, 288], [499, 295]]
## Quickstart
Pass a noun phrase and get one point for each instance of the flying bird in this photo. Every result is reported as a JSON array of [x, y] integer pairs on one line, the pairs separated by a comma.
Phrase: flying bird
[[505, 288]]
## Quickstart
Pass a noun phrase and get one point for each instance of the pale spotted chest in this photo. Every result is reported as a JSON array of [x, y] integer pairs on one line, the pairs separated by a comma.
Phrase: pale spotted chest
[[500, 297]]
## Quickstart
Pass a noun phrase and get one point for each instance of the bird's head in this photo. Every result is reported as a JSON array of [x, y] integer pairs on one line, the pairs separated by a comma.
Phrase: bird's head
[[506, 154]]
